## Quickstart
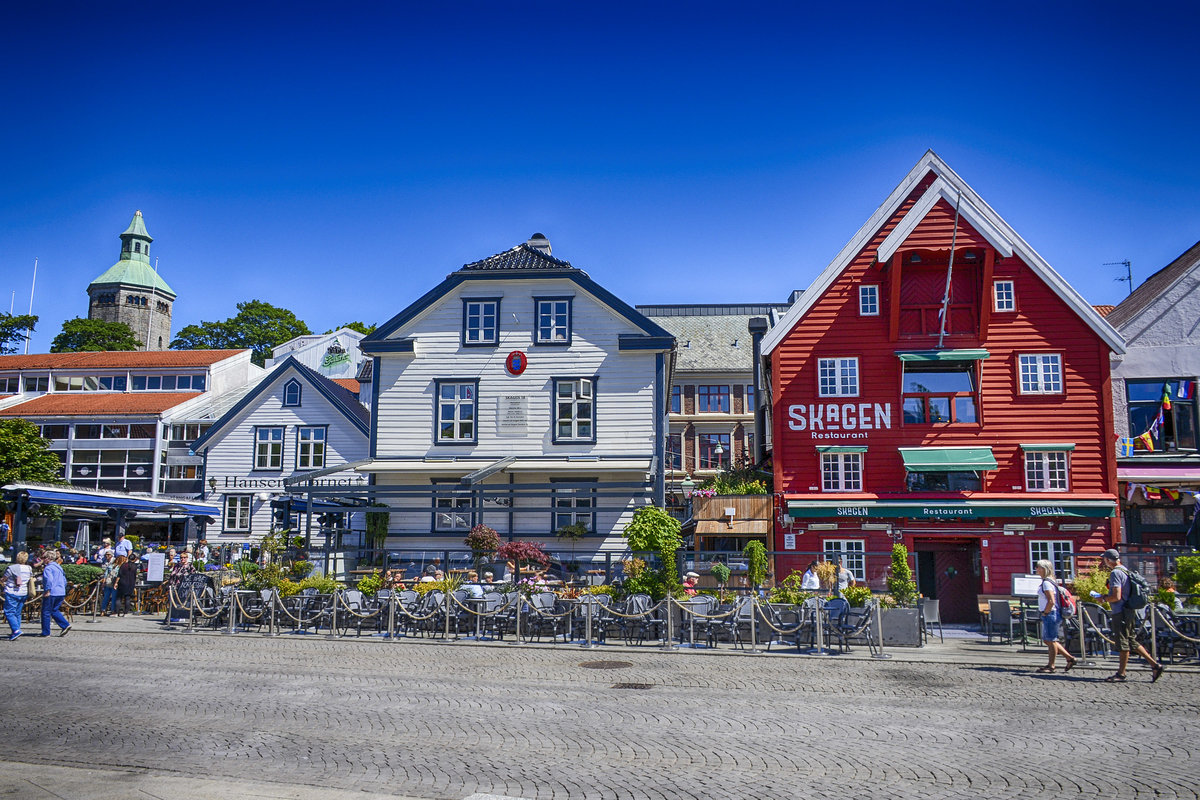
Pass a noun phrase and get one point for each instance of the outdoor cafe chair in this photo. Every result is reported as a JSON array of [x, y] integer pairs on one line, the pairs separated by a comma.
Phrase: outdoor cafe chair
[[639, 622], [545, 619], [999, 621], [1175, 635], [836, 611], [855, 624], [349, 611], [1097, 627], [693, 619], [932, 613]]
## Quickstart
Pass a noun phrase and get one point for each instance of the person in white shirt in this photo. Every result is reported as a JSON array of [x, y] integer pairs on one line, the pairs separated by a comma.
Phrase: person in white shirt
[[16, 591], [1048, 605], [811, 582]]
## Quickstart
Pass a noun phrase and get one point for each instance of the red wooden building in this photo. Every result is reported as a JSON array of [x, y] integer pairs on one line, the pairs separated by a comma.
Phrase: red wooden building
[[983, 444]]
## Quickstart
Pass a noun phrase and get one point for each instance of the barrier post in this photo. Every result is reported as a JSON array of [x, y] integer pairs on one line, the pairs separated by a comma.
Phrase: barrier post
[[879, 631], [520, 601], [95, 602], [191, 606], [587, 623], [233, 606], [667, 645], [392, 617], [333, 617], [1154, 630], [754, 626], [446, 603], [1084, 661], [273, 594]]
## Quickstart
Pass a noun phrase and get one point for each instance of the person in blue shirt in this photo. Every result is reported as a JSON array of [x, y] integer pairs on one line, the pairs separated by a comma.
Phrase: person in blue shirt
[[54, 585]]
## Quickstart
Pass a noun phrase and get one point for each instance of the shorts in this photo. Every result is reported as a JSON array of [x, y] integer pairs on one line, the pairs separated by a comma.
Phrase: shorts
[[1124, 628], [1050, 623]]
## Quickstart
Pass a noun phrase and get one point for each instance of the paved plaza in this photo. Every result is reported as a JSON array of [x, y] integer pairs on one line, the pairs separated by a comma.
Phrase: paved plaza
[[206, 715]]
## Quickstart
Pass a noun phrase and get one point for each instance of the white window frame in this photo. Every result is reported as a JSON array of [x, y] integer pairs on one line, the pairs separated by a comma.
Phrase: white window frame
[[457, 403], [581, 392], [852, 553], [841, 472], [1058, 552], [572, 505], [1040, 373], [552, 320], [268, 448], [310, 446], [868, 300], [238, 508], [1004, 296], [476, 316], [837, 377], [1047, 471]]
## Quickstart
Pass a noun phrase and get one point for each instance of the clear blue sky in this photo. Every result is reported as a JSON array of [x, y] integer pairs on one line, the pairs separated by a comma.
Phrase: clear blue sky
[[340, 159]]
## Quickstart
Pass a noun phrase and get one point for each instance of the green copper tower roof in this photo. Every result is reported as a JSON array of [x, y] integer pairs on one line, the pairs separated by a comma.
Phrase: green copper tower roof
[[134, 267]]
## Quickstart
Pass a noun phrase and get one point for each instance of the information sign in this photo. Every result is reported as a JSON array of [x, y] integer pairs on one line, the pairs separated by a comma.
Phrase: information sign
[[512, 415], [154, 567]]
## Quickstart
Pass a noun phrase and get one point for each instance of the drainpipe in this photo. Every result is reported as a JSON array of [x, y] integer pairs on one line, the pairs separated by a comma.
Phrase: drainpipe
[[758, 329]]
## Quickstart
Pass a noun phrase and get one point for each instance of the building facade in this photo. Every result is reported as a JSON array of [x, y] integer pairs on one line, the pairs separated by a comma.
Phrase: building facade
[[1154, 395], [982, 444], [334, 355], [131, 291], [520, 394]]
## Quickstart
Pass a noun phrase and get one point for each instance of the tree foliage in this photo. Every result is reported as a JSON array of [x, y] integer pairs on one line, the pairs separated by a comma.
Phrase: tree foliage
[[81, 335], [25, 456], [361, 327], [258, 326], [13, 330], [653, 530], [900, 580]]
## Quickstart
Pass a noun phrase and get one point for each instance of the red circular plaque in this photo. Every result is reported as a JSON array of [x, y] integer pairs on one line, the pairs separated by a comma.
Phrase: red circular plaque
[[516, 362]]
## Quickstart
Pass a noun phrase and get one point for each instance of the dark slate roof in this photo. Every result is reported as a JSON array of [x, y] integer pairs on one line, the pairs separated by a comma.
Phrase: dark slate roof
[[520, 258], [1154, 286], [346, 400], [365, 370]]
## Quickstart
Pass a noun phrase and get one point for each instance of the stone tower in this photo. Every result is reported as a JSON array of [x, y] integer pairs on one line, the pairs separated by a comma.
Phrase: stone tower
[[130, 291]]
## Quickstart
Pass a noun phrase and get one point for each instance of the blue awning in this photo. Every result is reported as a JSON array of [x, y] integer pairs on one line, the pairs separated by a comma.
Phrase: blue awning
[[81, 498]]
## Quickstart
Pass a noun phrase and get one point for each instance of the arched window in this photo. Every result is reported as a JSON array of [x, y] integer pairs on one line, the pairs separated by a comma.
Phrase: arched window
[[291, 393], [137, 247]]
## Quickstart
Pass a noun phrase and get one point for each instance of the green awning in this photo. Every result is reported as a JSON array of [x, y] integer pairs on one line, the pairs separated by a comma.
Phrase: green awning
[[972, 354], [1057, 446], [947, 459], [949, 509], [840, 448]]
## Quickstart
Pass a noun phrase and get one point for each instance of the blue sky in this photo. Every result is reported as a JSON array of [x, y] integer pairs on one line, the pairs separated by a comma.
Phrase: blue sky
[[339, 160]]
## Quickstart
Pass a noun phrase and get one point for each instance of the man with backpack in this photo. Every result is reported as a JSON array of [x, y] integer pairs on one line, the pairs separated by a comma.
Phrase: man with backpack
[[1126, 594]]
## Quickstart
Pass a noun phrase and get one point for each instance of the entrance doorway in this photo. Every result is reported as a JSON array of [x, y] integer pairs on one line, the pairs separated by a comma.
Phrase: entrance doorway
[[948, 571]]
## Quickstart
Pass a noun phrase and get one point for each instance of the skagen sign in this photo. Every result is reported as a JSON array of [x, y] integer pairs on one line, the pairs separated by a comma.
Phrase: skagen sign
[[840, 420]]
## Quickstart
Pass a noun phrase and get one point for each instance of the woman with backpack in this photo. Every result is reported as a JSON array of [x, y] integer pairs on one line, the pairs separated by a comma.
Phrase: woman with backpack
[[1050, 606]]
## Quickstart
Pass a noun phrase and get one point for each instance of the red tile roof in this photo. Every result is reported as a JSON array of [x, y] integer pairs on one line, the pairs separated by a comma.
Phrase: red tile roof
[[71, 404], [154, 359], [347, 383], [1104, 310]]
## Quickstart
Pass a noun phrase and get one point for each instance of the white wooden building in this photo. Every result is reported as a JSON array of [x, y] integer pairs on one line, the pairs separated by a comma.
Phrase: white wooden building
[[521, 394]]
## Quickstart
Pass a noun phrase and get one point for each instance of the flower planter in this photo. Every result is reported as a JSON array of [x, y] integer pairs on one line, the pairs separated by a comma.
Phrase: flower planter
[[901, 627]]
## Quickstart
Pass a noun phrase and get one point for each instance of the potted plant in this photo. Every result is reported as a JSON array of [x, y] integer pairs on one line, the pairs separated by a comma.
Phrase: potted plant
[[482, 542], [523, 554], [572, 533], [756, 564], [901, 625], [720, 573]]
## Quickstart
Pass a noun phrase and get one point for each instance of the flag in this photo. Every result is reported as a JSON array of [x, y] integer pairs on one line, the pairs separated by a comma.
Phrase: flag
[[1154, 426], [1184, 392], [1124, 446], [1153, 493], [1166, 399], [1147, 441], [1131, 491], [1170, 494]]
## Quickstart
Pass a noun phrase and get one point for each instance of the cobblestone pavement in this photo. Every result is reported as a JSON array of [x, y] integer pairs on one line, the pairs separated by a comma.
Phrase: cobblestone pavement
[[451, 720]]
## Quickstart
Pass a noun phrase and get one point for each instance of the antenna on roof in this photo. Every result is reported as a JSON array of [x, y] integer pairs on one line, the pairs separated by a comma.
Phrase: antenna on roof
[[32, 286], [1128, 271]]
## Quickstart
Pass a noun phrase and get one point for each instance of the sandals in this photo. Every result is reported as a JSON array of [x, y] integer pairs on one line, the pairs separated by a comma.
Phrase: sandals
[[1070, 664], [1045, 669], [1118, 678], [1156, 673]]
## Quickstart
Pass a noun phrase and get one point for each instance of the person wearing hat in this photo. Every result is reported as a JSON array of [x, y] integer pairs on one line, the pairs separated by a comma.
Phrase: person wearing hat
[[1124, 619], [124, 547], [689, 583]]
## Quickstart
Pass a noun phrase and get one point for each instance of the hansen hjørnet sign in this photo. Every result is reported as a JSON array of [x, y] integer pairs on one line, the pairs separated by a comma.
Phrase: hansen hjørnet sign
[[886, 510]]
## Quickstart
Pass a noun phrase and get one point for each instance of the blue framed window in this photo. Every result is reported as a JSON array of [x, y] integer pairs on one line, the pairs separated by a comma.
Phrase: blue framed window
[[574, 504], [451, 507], [310, 447], [456, 404], [676, 399], [268, 448], [291, 393], [481, 321], [574, 410], [552, 320]]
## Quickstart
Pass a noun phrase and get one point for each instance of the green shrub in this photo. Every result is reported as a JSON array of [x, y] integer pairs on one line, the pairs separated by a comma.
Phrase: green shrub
[[1187, 574], [301, 570], [81, 574], [789, 591], [756, 563], [720, 573], [1094, 580], [370, 584], [653, 530], [900, 580], [857, 596]]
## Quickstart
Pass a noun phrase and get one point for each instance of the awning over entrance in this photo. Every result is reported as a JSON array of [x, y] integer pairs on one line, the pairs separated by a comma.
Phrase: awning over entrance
[[947, 459], [81, 498], [962, 509], [972, 354]]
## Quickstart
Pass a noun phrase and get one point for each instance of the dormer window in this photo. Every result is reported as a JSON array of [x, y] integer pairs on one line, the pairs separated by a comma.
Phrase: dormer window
[[291, 393], [553, 320], [481, 321]]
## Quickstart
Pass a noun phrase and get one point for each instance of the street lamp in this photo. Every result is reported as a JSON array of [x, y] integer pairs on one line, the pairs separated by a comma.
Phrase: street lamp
[[688, 486], [718, 451]]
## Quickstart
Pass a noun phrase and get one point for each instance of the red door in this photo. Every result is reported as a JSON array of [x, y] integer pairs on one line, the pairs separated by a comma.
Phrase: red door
[[954, 581]]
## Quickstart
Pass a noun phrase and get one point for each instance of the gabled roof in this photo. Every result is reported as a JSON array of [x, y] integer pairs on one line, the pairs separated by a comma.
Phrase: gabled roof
[[707, 341], [519, 263], [1155, 286], [73, 404], [981, 214], [119, 359], [338, 396]]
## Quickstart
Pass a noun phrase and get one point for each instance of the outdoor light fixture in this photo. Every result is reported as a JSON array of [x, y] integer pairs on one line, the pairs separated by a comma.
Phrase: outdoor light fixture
[[212, 484], [688, 485], [264, 496]]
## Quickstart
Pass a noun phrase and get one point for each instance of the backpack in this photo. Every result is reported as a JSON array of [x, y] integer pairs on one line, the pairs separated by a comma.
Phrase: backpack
[[1139, 589], [1066, 600]]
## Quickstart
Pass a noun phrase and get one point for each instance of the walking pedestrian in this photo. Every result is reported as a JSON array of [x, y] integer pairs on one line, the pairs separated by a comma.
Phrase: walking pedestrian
[[16, 592], [1124, 619], [54, 584], [126, 581], [1050, 607], [108, 577]]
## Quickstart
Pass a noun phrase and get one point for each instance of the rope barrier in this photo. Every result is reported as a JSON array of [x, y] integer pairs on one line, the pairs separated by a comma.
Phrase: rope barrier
[[1170, 626], [1087, 617], [246, 615], [340, 598], [95, 585]]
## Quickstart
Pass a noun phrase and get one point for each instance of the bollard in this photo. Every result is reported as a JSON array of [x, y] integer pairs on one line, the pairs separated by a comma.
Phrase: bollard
[[271, 625], [1154, 631], [517, 639], [193, 604], [392, 617], [1084, 661], [446, 602], [232, 611], [587, 611], [667, 612], [333, 619], [753, 626], [95, 602], [879, 631]]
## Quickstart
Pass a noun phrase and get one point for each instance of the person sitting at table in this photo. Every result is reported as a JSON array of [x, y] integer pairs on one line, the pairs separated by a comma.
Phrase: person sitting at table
[[488, 578], [471, 585], [438, 575], [689, 583]]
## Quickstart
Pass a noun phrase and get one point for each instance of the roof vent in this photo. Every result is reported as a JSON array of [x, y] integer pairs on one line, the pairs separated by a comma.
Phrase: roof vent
[[539, 242]]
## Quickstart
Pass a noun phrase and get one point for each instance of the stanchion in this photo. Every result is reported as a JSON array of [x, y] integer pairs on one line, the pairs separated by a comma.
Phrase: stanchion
[[1154, 631], [392, 617], [517, 637], [271, 629], [587, 624], [446, 603], [333, 619], [753, 626], [879, 631], [95, 600], [1084, 661], [667, 645], [232, 612]]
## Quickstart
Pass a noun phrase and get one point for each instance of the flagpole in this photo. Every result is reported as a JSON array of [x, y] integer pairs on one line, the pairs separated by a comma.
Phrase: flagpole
[[949, 273], [32, 286]]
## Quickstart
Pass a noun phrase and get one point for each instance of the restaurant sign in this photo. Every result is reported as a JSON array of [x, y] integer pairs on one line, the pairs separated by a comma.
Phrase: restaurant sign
[[955, 511], [839, 420]]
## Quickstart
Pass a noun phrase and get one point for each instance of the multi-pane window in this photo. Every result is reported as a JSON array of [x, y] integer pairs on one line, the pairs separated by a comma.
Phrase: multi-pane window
[[714, 450], [310, 447], [676, 399], [1041, 373], [481, 321], [838, 377], [841, 472], [41, 384], [10, 385], [939, 391], [291, 393], [868, 300], [237, 512], [1057, 553], [114, 470], [850, 553], [554, 321], [674, 451], [451, 507], [1177, 429], [1005, 296], [135, 431], [168, 383], [1046, 470], [178, 472], [712, 399], [268, 448], [60, 432], [750, 408], [575, 506], [575, 410], [456, 411], [181, 435], [944, 482]]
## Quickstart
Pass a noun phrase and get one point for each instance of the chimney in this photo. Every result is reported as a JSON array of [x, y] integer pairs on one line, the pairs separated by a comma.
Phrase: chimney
[[539, 242]]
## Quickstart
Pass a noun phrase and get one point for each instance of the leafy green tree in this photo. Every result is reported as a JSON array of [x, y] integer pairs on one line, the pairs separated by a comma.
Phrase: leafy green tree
[[361, 327], [25, 456], [13, 330], [653, 530], [258, 326], [89, 335]]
